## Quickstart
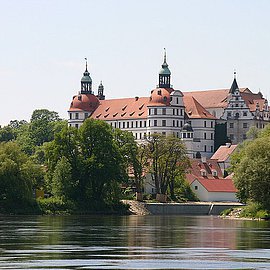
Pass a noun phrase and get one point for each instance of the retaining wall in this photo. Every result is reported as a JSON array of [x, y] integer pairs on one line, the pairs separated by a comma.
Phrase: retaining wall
[[188, 208]]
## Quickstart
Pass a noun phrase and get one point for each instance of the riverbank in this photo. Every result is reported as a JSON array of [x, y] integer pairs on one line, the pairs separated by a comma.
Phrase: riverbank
[[191, 208]]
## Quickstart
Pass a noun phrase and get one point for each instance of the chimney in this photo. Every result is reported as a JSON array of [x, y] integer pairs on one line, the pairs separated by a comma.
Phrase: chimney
[[203, 159], [228, 144]]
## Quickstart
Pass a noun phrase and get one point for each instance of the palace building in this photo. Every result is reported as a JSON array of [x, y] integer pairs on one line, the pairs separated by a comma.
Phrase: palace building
[[202, 119]]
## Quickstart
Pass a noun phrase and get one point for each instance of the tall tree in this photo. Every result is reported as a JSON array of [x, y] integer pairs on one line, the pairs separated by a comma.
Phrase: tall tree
[[16, 176], [168, 160]]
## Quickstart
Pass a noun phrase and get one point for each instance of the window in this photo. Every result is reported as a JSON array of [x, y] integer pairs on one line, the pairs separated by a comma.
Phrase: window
[[164, 133], [145, 123], [131, 124], [127, 124], [244, 136], [244, 113], [149, 122], [211, 124], [203, 172], [177, 100], [177, 123], [181, 112], [164, 123], [181, 123], [85, 115], [76, 115], [212, 148], [124, 125], [236, 105], [184, 135], [140, 123], [76, 126], [155, 111], [173, 112], [196, 187], [205, 148], [115, 124], [155, 123], [231, 125], [204, 123], [136, 124], [205, 136], [119, 124], [70, 116], [173, 123], [212, 136], [140, 136], [229, 114], [164, 111], [214, 172], [245, 125], [188, 135]]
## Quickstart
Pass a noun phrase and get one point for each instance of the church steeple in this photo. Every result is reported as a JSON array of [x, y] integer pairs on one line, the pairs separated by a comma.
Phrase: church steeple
[[234, 84], [101, 92], [164, 74], [86, 81]]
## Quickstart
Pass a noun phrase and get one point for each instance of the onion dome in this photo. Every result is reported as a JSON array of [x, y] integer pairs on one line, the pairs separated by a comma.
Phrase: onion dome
[[187, 128], [160, 96], [84, 102]]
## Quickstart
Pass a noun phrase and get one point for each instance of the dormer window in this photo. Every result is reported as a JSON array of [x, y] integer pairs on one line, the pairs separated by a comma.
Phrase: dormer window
[[159, 92], [214, 172], [203, 172]]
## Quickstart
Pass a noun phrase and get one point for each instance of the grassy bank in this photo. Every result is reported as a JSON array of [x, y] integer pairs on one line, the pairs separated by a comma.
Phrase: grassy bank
[[249, 211]]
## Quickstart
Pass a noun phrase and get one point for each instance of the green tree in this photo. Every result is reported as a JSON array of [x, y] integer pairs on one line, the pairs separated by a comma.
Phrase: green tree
[[16, 176], [42, 126], [133, 155], [252, 172], [168, 160], [62, 179]]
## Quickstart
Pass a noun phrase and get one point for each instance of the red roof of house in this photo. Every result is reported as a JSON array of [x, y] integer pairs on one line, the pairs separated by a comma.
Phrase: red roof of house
[[217, 185], [194, 109], [224, 152], [209, 166]]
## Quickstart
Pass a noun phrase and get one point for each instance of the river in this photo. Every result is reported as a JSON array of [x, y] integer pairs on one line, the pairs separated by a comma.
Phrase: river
[[133, 242]]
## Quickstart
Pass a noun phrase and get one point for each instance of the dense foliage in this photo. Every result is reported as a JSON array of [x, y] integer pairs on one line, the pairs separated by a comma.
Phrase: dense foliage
[[250, 165], [168, 161], [82, 170]]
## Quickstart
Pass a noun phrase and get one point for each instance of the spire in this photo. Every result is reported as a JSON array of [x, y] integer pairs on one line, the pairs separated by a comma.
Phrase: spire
[[101, 91], [165, 56], [164, 74], [234, 84], [86, 81]]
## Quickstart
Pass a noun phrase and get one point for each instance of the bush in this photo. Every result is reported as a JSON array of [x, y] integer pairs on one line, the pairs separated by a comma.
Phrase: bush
[[254, 210], [226, 212], [55, 205]]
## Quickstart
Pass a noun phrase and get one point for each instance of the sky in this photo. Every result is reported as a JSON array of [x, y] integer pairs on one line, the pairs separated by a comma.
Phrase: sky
[[43, 44]]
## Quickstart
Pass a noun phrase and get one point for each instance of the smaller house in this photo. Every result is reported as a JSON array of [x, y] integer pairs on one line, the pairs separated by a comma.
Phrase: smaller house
[[222, 155], [207, 182]]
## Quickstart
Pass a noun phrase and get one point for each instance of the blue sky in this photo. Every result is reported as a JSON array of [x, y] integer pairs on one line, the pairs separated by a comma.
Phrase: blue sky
[[44, 42]]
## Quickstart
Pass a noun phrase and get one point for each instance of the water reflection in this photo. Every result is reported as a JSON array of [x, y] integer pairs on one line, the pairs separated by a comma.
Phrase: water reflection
[[133, 242]]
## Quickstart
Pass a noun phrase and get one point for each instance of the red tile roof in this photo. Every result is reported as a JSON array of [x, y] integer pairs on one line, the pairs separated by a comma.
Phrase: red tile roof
[[194, 109], [84, 102], [124, 108], [217, 185], [197, 166], [212, 98], [223, 152]]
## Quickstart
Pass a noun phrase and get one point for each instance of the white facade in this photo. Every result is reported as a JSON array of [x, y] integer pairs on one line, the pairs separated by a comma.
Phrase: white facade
[[204, 195]]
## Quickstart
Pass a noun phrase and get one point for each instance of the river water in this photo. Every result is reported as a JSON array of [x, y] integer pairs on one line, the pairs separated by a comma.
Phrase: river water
[[133, 242]]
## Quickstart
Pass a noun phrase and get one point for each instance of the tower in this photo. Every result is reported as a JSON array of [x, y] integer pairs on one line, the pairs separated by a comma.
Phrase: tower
[[164, 74], [101, 91], [234, 85], [86, 81]]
